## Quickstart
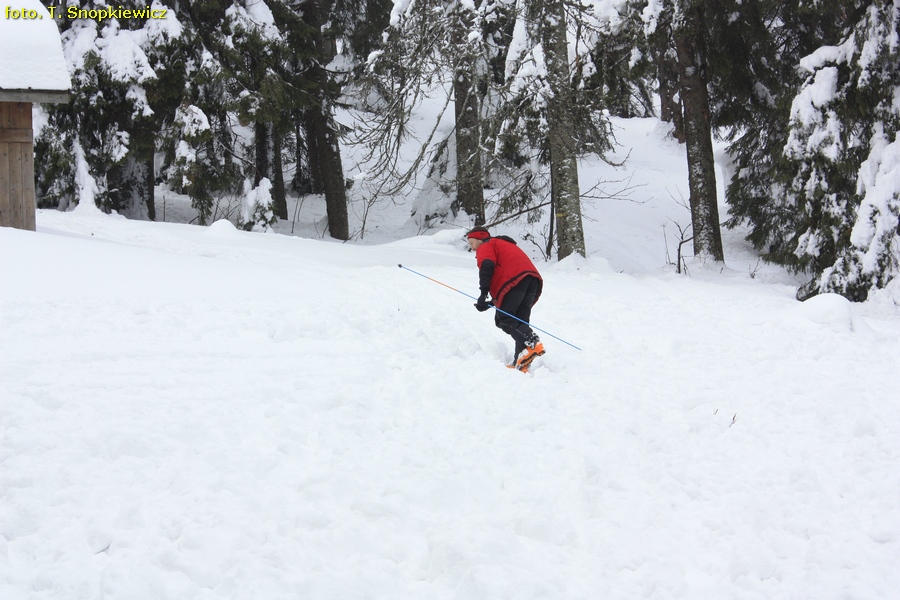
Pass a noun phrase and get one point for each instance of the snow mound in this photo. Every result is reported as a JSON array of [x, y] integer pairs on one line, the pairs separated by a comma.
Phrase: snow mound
[[223, 228], [827, 309], [834, 311]]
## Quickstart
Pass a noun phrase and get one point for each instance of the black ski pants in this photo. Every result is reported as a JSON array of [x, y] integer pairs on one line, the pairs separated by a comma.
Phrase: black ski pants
[[518, 302]]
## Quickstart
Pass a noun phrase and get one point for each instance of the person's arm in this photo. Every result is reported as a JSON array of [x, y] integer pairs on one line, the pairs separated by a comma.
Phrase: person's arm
[[485, 274]]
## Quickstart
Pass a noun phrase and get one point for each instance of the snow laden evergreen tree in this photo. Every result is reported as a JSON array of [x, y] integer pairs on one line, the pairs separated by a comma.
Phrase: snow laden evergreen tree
[[167, 51], [270, 79], [192, 166], [621, 73], [351, 32], [807, 161], [238, 85], [257, 206], [96, 149], [276, 59], [253, 51], [844, 155], [758, 116], [545, 113], [197, 144], [150, 104], [215, 93]]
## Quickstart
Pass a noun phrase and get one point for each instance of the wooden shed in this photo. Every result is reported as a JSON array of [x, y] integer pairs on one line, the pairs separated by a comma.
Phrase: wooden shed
[[32, 70]]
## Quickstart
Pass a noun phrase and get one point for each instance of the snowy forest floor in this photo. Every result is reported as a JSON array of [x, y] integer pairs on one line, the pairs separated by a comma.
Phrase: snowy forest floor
[[198, 412]]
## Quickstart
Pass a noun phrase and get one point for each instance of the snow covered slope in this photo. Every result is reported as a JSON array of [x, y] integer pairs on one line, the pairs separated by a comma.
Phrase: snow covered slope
[[196, 412]]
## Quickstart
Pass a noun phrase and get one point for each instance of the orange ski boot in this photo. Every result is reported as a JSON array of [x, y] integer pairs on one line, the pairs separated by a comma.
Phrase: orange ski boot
[[532, 350]]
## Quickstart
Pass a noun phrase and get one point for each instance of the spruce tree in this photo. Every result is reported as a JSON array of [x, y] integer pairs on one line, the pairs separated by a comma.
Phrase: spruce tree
[[254, 56], [843, 154], [812, 170], [758, 193], [200, 150], [620, 72], [131, 79], [94, 147]]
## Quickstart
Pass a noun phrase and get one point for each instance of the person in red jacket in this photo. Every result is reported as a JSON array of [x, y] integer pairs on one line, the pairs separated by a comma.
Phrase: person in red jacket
[[514, 284]]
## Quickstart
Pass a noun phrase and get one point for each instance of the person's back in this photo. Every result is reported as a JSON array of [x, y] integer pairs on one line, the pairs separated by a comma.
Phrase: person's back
[[511, 265]]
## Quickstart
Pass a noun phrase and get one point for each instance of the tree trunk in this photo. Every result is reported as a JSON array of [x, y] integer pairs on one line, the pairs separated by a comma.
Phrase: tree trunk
[[150, 187], [565, 194], [269, 165], [279, 196], [469, 172], [326, 138], [316, 185], [332, 177], [688, 34], [261, 144]]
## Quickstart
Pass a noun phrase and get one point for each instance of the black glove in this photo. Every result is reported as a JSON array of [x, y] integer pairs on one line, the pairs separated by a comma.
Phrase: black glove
[[483, 304]]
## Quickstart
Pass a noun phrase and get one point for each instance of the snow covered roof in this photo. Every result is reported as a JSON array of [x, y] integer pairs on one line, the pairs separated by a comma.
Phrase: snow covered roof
[[32, 66]]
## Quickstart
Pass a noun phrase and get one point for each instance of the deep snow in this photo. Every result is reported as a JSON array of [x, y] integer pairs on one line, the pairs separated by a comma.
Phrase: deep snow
[[193, 412]]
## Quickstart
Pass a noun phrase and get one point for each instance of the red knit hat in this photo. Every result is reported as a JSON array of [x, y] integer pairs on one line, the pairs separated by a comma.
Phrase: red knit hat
[[479, 233]]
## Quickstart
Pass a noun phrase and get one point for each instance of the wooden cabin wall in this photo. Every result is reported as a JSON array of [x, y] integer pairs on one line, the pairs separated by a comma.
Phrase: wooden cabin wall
[[17, 203]]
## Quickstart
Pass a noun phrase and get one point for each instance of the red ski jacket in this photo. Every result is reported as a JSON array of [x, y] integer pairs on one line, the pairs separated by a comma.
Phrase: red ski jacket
[[501, 265]]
